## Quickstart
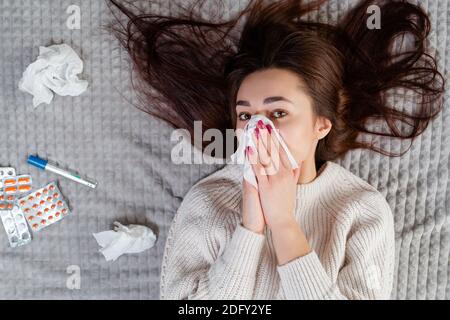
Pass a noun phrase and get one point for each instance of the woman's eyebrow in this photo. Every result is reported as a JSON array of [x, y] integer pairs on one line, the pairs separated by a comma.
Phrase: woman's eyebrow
[[266, 101]]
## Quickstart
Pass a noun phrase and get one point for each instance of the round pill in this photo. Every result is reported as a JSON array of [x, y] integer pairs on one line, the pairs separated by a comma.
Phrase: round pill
[[39, 214], [45, 191], [53, 206], [57, 214], [52, 187], [27, 210], [60, 203], [38, 194], [64, 211], [2, 198], [31, 198], [30, 218], [2, 206], [42, 202], [50, 218], [46, 210], [35, 206], [43, 221], [10, 198], [9, 206], [23, 202], [56, 195], [35, 226], [49, 199]]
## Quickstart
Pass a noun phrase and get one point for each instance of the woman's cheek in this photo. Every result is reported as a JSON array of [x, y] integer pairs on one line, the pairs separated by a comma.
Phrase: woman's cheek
[[297, 143], [292, 143], [297, 151]]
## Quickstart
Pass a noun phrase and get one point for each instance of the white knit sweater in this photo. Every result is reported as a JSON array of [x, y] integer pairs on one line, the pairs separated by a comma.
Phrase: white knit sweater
[[348, 224]]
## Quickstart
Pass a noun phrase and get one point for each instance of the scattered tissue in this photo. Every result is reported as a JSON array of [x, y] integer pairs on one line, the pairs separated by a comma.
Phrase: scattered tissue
[[245, 140], [56, 70], [124, 239]]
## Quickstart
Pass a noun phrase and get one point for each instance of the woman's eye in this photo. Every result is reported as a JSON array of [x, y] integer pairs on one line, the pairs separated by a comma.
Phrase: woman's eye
[[276, 114], [279, 114], [244, 116]]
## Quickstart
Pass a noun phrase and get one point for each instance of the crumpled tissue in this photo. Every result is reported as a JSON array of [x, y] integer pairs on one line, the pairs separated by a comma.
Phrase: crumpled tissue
[[56, 70], [246, 140], [124, 239]]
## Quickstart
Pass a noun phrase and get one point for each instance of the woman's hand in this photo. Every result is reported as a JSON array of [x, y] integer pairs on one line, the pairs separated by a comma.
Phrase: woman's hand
[[277, 181], [252, 214]]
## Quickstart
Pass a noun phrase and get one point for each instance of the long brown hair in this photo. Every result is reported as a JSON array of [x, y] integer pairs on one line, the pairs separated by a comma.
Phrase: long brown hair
[[190, 69]]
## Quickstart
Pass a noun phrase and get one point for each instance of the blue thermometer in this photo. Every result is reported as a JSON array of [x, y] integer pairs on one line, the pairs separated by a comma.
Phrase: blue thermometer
[[47, 166]]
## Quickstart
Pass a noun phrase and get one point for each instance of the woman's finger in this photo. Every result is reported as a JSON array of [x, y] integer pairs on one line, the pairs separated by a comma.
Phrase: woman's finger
[[285, 162], [265, 137], [258, 168], [258, 137], [273, 146]]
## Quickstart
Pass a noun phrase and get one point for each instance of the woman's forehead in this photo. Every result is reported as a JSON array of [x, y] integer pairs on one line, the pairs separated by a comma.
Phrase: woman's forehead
[[271, 83]]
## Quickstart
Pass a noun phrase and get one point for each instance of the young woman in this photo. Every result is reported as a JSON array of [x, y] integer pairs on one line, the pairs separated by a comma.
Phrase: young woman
[[318, 232]]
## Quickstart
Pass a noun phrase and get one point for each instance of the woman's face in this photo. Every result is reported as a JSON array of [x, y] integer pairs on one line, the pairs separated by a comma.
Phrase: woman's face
[[279, 95]]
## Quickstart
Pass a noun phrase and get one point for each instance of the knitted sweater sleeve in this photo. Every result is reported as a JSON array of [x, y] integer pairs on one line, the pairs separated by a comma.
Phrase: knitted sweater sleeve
[[198, 265], [368, 266]]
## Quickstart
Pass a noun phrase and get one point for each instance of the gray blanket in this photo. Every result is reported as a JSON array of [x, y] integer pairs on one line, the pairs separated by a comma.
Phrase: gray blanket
[[102, 135]]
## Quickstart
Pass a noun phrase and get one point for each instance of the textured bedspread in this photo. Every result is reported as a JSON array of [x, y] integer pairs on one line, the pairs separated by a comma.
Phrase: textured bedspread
[[102, 135]]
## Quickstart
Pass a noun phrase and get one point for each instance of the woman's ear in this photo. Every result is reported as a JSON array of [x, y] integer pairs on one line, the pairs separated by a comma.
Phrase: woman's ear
[[323, 127]]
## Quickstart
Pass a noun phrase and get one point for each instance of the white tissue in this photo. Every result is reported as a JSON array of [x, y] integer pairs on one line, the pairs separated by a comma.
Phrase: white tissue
[[124, 239], [55, 71], [246, 140]]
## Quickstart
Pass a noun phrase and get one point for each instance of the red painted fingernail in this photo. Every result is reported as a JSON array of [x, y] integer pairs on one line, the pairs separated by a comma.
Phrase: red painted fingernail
[[260, 124], [257, 133], [269, 128]]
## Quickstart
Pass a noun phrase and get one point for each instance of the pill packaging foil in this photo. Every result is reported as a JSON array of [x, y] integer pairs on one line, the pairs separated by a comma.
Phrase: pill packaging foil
[[5, 173], [44, 207], [16, 227]]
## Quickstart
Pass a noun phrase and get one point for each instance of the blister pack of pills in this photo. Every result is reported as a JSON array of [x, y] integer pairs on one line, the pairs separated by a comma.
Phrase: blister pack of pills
[[44, 207], [6, 202], [12, 187], [16, 227]]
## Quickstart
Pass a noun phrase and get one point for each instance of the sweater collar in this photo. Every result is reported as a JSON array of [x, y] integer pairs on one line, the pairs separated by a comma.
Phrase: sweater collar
[[325, 178]]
